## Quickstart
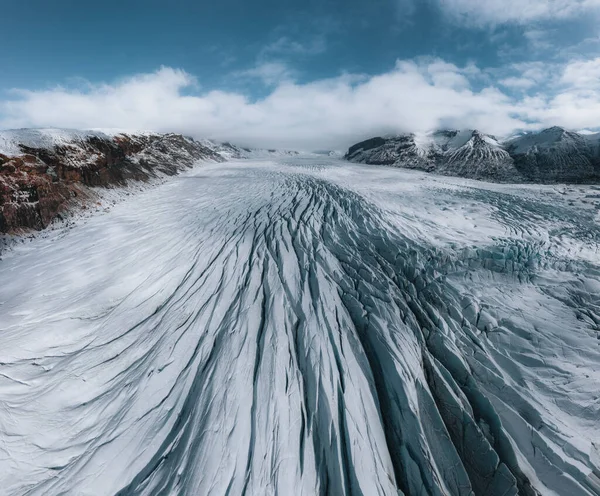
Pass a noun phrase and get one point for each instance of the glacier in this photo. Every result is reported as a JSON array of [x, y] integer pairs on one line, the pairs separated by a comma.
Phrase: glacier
[[303, 325]]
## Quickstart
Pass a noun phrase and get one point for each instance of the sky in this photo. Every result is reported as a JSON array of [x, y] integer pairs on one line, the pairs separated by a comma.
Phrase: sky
[[301, 74]]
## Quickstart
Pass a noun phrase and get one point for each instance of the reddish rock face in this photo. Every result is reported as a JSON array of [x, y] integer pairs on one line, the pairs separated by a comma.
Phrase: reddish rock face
[[37, 185], [29, 198]]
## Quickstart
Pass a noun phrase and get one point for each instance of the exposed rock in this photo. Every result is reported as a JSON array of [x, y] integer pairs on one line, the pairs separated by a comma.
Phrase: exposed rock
[[553, 155], [556, 155], [42, 171]]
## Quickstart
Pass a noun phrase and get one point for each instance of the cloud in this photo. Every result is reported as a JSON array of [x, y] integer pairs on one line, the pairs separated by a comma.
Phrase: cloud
[[577, 102], [416, 95], [519, 83], [270, 73], [525, 76], [493, 12], [271, 66], [582, 74], [287, 46], [539, 39], [571, 99]]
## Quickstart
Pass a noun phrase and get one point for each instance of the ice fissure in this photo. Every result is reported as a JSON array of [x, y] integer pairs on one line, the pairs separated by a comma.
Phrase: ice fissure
[[289, 329]]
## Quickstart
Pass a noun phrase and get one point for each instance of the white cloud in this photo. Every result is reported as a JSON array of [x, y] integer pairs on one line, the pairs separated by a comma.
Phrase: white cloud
[[539, 39], [443, 74], [269, 66], [286, 46], [572, 97], [518, 83], [416, 95], [525, 76], [269, 73], [536, 71], [491, 12], [577, 101], [582, 74]]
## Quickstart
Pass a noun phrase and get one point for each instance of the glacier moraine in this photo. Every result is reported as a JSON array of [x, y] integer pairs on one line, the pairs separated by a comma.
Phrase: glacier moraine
[[307, 327]]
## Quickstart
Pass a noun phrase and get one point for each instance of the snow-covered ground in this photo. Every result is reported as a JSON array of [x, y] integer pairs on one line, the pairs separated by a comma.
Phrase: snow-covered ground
[[307, 326], [12, 139]]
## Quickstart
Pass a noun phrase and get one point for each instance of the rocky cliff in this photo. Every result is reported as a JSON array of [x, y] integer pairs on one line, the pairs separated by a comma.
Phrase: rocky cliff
[[44, 172], [553, 155]]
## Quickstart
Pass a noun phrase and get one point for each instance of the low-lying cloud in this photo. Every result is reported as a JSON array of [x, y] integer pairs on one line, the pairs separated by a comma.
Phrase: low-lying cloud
[[417, 95]]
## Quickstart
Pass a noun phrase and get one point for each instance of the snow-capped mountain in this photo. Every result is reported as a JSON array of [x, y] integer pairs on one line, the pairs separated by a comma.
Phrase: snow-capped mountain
[[553, 155], [481, 157], [462, 153], [44, 172], [403, 149], [557, 155], [329, 153], [235, 152]]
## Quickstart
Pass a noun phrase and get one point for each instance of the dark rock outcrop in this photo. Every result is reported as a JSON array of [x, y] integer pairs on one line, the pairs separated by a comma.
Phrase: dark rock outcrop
[[556, 155], [41, 181], [551, 156]]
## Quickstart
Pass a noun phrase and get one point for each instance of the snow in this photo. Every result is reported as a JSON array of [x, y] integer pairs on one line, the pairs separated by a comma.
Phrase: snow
[[234, 152], [443, 141], [452, 140], [10, 139], [302, 325], [41, 138], [112, 132], [542, 140]]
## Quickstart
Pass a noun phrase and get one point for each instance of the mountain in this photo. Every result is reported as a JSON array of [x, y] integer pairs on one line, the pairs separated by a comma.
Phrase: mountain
[[556, 155], [391, 151], [45, 171], [329, 153], [553, 155], [235, 152], [481, 157]]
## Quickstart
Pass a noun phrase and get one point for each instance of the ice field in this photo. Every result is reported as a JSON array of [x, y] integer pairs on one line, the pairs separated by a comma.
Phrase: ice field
[[306, 327]]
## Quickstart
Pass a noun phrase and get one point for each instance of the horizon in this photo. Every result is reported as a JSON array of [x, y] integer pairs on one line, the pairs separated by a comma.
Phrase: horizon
[[500, 139], [313, 247], [304, 75]]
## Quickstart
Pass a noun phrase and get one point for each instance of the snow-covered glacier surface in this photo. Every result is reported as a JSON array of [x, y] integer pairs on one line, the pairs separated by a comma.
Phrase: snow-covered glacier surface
[[307, 327]]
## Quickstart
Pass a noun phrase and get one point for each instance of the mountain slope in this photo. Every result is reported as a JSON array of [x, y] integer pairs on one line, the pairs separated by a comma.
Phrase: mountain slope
[[390, 151], [480, 157], [553, 155], [43, 171]]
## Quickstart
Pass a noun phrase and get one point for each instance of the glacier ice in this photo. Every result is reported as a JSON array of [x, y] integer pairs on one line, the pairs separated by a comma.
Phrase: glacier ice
[[307, 326]]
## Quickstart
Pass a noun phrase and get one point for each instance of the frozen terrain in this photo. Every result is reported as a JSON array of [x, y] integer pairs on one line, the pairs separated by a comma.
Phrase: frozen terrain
[[554, 155], [307, 326]]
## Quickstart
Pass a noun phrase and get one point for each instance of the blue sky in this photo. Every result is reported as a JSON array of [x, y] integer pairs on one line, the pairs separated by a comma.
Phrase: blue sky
[[289, 73]]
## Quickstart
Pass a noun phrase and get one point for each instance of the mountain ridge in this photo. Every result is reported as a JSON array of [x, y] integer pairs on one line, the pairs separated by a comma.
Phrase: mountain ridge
[[47, 172], [549, 156]]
